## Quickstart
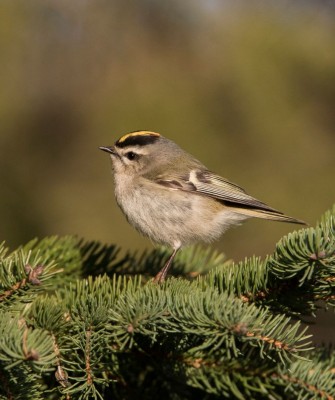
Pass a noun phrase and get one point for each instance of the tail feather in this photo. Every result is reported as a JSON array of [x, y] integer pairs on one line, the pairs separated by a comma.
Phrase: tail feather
[[266, 214]]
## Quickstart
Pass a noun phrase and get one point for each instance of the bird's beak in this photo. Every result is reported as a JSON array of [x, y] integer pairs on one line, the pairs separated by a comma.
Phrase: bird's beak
[[108, 149]]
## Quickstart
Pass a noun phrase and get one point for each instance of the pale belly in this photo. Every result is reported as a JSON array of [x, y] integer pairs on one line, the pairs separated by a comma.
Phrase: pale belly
[[173, 216]]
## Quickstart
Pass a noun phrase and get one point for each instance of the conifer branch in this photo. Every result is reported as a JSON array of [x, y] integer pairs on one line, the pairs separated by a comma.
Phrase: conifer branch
[[87, 357], [226, 332]]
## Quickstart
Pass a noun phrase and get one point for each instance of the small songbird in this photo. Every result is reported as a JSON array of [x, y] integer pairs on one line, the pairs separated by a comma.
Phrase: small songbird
[[172, 198]]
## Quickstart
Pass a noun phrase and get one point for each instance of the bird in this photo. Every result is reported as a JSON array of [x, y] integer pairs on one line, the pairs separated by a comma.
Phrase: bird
[[172, 198]]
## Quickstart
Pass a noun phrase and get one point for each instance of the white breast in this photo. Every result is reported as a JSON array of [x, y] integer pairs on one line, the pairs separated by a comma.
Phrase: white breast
[[169, 216]]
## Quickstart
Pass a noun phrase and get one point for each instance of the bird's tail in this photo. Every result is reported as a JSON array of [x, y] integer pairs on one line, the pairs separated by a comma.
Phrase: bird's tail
[[272, 215]]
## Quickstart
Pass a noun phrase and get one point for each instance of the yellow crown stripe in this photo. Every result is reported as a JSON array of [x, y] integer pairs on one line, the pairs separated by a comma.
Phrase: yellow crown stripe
[[137, 133]]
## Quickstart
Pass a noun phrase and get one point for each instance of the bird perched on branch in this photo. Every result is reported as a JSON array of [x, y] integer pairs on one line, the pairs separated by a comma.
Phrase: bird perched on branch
[[172, 198]]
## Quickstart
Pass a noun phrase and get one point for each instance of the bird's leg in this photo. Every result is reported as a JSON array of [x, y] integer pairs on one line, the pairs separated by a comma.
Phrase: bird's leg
[[160, 277]]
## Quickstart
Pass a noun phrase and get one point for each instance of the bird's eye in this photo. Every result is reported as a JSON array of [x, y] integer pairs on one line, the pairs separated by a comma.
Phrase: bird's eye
[[131, 155]]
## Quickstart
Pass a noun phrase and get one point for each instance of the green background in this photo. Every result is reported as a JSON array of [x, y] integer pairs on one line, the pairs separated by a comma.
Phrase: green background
[[248, 87]]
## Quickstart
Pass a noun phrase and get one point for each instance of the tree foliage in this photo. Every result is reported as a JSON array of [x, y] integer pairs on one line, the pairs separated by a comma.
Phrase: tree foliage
[[81, 321]]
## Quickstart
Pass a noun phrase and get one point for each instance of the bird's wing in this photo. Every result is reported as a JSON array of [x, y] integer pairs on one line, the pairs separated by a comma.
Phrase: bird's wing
[[207, 183]]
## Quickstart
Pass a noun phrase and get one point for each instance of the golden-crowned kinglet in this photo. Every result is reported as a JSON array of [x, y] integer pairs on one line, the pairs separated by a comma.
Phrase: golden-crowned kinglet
[[173, 199]]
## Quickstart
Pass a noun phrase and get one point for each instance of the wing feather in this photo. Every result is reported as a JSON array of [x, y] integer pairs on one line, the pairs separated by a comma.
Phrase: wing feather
[[219, 188], [209, 184], [206, 183]]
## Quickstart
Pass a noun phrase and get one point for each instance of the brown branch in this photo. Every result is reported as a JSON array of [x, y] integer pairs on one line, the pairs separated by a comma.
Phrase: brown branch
[[241, 329], [88, 357], [305, 385], [29, 354], [33, 274], [60, 374]]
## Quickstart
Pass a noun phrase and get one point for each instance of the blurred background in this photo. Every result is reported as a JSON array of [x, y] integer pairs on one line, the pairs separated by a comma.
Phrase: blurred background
[[248, 87]]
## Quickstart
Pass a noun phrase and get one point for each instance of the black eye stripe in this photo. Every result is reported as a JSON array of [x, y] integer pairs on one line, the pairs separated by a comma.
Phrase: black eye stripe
[[137, 140]]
